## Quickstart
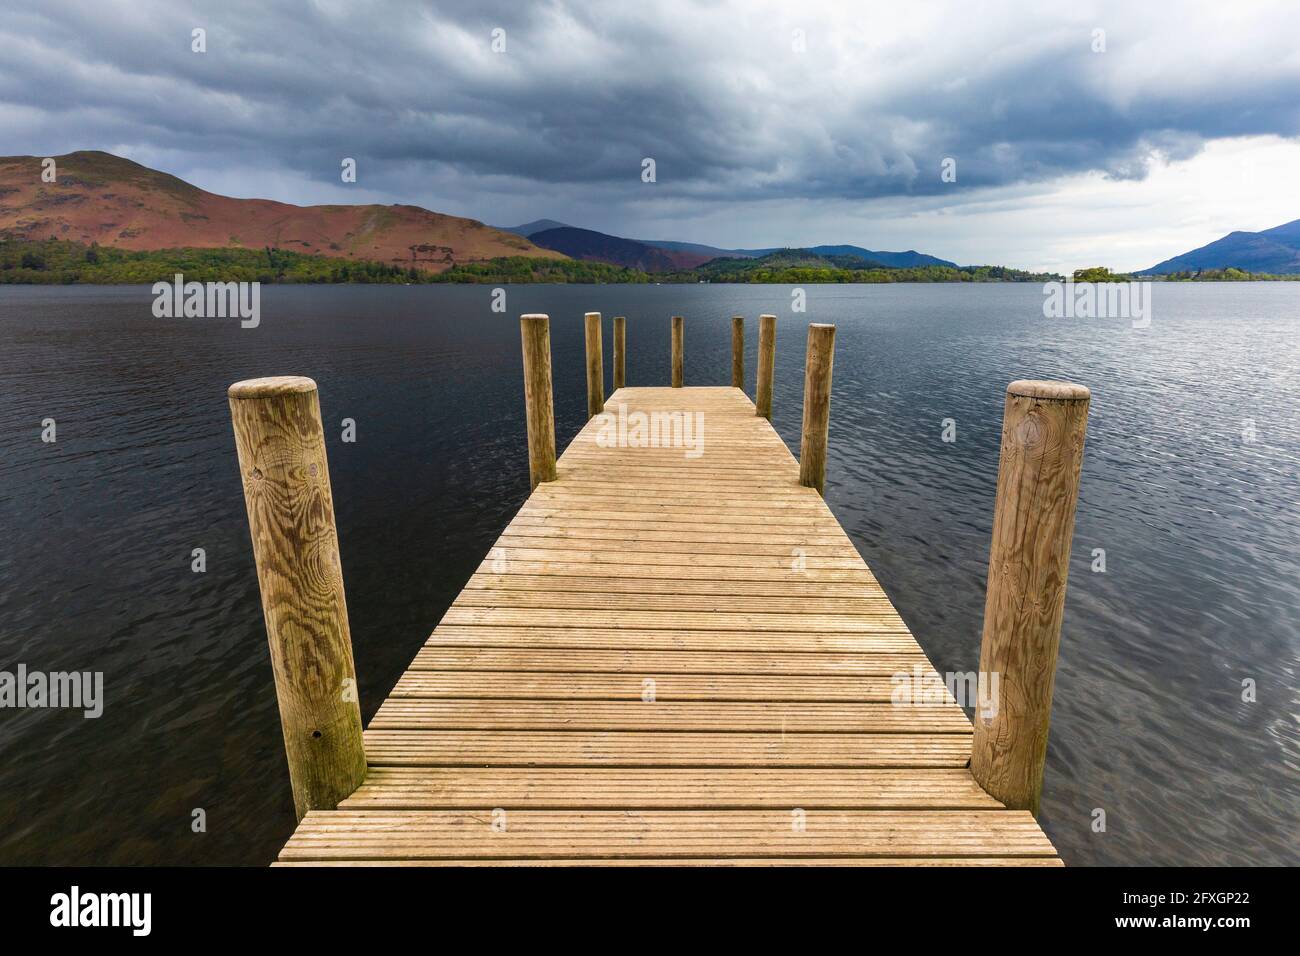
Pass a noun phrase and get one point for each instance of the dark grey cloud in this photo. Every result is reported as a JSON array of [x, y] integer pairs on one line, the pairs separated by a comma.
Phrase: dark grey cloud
[[716, 93]]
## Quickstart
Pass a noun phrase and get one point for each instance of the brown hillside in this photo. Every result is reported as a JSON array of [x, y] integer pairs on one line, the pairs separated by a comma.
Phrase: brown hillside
[[115, 202]]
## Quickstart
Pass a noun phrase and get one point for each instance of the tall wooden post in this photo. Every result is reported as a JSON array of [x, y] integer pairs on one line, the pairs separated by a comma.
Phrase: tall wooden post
[[620, 352], [678, 346], [595, 367], [539, 408], [766, 363], [1043, 429], [281, 447], [738, 352], [816, 405]]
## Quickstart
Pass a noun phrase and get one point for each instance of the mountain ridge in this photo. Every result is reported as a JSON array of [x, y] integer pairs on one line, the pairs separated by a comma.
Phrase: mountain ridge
[[1273, 251], [698, 252], [99, 198], [537, 225], [593, 246]]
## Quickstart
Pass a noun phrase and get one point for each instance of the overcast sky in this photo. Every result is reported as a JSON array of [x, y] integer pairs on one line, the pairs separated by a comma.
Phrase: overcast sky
[[769, 123]]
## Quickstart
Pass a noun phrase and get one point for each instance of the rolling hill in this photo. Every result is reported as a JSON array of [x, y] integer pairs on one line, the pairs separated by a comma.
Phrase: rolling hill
[[713, 252], [105, 199], [603, 247], [1273, 251], [600, 247], [537, 225], [890, 260], [661, 255]]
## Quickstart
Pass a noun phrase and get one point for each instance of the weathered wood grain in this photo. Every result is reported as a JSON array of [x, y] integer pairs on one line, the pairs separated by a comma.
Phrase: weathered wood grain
[[281, 448], [620, 351], [738, 352], [535, 332], [1043, 428], [679, 347], [816, 406], [595, 365], [581, 833], [766, 365]]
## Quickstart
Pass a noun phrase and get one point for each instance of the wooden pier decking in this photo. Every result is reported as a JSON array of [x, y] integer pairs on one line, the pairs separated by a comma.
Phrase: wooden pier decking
[[669, 660]]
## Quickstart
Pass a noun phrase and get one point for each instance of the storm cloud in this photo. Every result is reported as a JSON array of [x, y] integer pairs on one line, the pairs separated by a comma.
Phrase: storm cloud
[[742, 105]]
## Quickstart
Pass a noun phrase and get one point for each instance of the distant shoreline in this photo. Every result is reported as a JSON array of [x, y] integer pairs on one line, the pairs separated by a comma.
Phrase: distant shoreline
[[1255, 280], [66, 263]]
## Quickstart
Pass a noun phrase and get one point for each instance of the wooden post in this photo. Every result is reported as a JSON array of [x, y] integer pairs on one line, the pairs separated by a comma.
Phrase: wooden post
[[738, 352], [1043, 428], [766, 362], [816, 405], [539, 408], [620, 352], [678, 346], [595, 367], [281, 448]]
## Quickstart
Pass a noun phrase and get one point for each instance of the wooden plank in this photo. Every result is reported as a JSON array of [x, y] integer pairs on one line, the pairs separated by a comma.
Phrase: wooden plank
[[865, 621], [790, 718], [476, 685], [579, 834], [434, 657], [413, 788], [841, 861], [768, 572], [527, 529], [539, 748], [699, 603], [740, 462], [883, 639], [624, 543], [605, 584], [599, 497], [677, 485], [676, 488], [792, 565], [702, 516]]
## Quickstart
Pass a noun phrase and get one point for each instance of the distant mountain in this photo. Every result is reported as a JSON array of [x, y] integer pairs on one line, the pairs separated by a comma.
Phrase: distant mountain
[[687, 255], [713, 252], [1275, 251], [890, 260], [736, 268], [648, 254], [804, 265], [817, 258], [893, 260], [101, 198], [599, 247], [537, 225]]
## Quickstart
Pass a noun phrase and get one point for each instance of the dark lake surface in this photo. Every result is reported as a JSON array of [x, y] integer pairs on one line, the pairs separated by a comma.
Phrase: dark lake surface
[[1191, 484]]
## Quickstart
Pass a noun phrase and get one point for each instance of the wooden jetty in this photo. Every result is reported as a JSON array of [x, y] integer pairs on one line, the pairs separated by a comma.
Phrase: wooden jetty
[[673, 654]]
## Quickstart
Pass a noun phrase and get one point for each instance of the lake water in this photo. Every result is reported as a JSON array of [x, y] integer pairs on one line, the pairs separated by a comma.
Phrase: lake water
[[1190, 484]]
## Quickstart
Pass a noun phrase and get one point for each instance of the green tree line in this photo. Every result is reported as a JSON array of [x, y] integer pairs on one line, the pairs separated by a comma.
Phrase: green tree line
[[61, 262]]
